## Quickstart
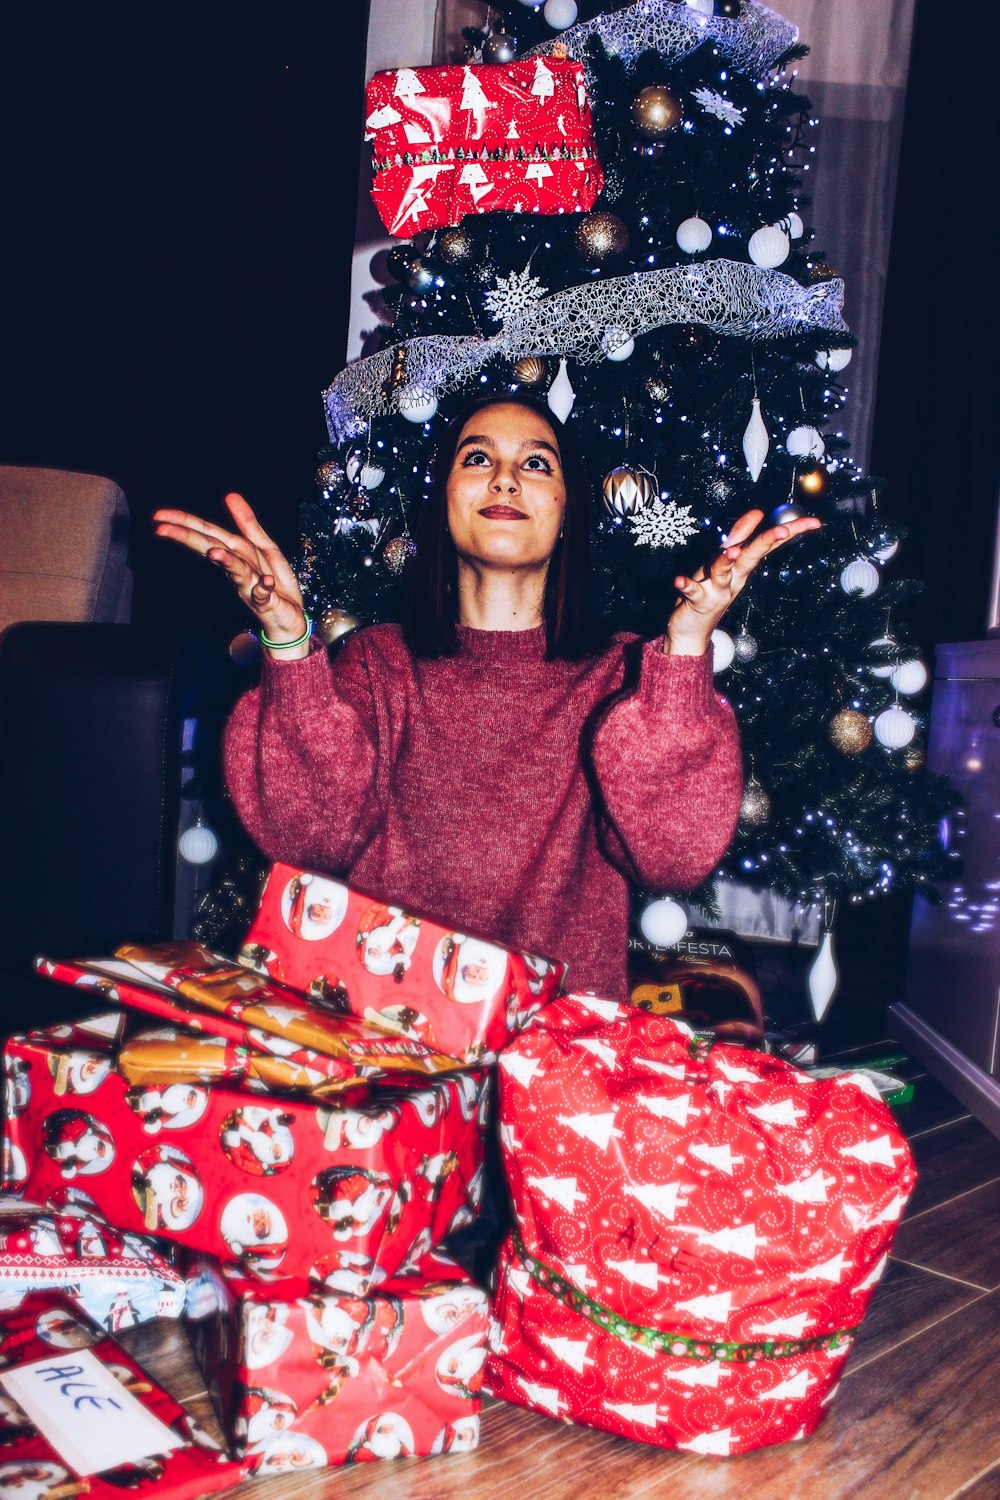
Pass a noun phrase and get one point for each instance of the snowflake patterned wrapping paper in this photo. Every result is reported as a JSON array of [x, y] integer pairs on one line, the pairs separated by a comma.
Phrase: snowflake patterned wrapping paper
[[117, 1279], [318, 1380], [343, 1195], [700, 1229], [452, 992], [450, 141], [47, 1326]]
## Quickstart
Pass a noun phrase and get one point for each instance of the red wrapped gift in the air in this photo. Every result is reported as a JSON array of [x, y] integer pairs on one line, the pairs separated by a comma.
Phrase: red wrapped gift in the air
[[700, 1229], [454, 992], [450, 141], [306, 1381], [340, 1193], [121, 1431]]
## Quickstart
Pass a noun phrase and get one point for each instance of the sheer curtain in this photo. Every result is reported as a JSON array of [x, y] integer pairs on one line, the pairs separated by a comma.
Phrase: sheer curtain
[[855, 76]]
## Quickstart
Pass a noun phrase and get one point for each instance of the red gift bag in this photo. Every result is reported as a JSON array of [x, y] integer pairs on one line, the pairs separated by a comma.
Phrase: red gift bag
[[700, 1229], [451, 141]]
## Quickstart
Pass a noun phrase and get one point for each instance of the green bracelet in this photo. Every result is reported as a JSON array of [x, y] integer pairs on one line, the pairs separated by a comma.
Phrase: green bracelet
[[287, 645]]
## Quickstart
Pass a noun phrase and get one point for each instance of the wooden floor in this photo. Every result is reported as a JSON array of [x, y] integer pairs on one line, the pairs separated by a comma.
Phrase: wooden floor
[[917, 1416]]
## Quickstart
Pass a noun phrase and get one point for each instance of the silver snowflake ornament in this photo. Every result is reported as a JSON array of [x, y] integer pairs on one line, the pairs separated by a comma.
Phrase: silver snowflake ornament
[[719, 105], [662, 524], [513, 294]]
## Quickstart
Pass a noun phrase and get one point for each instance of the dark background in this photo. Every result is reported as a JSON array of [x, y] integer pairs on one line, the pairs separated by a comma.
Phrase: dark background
[[179, 192]]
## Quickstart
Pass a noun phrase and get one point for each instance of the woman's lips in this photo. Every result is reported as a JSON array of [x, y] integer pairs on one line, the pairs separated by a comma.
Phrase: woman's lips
[[502, 513]]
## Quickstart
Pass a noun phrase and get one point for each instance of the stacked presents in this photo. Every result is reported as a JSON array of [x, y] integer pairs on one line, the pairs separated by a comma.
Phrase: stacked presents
[[290, 1139]]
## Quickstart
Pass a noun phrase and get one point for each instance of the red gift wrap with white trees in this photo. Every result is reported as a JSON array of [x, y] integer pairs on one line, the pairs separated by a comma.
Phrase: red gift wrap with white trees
[[450, 141], [699, 1230]]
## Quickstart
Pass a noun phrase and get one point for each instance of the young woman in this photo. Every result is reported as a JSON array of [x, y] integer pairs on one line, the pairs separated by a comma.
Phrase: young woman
[[492, 762]]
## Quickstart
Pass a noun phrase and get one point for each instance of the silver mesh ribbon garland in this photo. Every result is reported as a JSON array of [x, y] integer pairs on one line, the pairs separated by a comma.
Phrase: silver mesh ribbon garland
[[729, 297], [751, 42]]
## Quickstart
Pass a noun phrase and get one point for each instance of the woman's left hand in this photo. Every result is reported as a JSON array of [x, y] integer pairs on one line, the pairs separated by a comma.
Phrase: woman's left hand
[[705, 597]]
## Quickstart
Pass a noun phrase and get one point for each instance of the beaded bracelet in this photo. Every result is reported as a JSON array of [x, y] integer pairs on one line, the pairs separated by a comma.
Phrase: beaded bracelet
[[287, 645]]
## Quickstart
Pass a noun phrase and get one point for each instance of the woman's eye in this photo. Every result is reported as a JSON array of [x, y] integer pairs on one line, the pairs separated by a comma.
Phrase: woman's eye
[[536, 462], [472, 460]]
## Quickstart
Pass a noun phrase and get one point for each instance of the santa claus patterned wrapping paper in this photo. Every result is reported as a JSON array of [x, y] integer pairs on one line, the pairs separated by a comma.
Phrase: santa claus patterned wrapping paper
[[47, 1327], [303, 1382], [276, 1038], [450, 141], [700, 1229], [117, 1279], [455, 993], [342, 1194]]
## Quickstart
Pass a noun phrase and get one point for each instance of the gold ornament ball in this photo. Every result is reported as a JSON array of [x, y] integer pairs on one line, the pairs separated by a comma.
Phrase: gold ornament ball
[[456, 247], [627, 490], [599, 237], [530, 370], [656, 112], [812, 484], [850, 731], [756, 805], [335, 623], [330, 475], [396, 554], [244, 649]]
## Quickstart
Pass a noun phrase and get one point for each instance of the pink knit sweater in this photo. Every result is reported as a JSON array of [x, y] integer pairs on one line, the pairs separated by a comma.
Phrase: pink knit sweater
[[495, 790]]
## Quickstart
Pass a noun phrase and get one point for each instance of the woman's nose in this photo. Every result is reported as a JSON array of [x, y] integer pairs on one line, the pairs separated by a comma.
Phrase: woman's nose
[[505, 479]]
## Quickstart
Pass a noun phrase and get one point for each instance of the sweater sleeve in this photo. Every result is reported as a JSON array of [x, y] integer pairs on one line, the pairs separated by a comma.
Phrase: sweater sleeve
[[301, 759], [668, 768]]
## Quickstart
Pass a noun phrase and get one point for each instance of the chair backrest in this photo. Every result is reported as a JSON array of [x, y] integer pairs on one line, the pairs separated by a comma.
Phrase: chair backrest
[[63, 547]]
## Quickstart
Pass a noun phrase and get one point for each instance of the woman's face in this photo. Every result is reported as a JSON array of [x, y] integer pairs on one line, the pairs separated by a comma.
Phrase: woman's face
[[506, 493]]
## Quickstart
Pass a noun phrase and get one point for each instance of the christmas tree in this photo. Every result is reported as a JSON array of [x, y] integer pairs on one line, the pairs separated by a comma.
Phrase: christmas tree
[[689, 330]]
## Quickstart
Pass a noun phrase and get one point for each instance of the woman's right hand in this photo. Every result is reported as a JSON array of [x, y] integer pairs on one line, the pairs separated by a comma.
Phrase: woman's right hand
[[259, 571]]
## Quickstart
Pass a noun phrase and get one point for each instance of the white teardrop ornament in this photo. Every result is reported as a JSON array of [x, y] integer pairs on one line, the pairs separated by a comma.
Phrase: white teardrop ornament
[[561, 394], [755, 442], [823, 978]]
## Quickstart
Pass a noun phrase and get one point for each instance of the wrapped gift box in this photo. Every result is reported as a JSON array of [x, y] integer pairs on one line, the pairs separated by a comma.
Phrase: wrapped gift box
[[699, 1230], [454, 993], [450, 141], [276, 1037], [116, 1278], [39, 1460], [320, 1380], [343, 1194]]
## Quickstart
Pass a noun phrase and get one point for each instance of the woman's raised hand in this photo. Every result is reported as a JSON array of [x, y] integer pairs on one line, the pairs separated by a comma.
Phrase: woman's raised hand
[[260, 573], [705, 597]]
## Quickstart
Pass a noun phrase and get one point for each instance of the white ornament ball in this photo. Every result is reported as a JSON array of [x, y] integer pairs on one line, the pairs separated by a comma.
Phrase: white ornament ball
[[371, 476], [909, 677], [417, 405], [885, 671], [663, 923], [560, 13], [834, 359], [703, 7], [723, 650], [769, 246], [860, 576], [617, 344], [198, 845], [894, 728], [886, 553], [805, 442], [793, 226], [694, 235]]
